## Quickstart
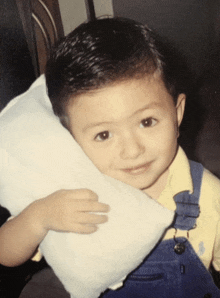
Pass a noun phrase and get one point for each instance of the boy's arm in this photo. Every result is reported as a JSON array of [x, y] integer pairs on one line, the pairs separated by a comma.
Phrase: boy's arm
[[65, 210], [19, 238]]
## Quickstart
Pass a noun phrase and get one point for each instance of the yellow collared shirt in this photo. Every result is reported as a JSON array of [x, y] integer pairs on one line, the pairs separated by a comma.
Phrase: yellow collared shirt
[[205, 238]]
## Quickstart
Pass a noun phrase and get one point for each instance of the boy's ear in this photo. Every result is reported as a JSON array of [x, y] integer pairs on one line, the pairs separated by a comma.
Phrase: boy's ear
[[180, 107]]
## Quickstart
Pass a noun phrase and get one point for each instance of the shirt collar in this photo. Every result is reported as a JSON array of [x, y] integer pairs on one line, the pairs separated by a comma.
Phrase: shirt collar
[[179, 179]]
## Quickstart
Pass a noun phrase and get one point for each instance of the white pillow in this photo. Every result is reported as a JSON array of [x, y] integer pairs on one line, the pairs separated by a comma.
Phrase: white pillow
[[38, 157]]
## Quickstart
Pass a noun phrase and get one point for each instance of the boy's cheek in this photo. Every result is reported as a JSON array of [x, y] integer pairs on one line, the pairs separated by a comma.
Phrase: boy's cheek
[[97, 156]]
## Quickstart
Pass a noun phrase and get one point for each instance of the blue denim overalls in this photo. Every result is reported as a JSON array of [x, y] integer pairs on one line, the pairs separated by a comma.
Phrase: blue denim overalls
[[173, 270]]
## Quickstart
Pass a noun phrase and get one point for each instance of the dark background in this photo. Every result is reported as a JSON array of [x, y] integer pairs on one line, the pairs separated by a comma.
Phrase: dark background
[[192, 25], [16, 69]]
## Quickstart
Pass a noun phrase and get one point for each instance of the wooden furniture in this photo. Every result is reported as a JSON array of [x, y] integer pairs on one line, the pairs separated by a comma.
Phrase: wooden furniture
[[42, 25]]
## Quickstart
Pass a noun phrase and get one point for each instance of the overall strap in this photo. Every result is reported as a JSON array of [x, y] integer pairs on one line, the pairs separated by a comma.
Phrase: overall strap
[[187, 210]]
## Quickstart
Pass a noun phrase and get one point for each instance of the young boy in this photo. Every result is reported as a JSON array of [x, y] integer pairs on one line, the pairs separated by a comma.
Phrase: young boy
[[114, 87]]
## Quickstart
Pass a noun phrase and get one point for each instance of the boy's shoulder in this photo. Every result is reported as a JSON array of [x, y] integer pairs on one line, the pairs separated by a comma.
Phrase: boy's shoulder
[[182, 177], [210, 191], [211, 182]]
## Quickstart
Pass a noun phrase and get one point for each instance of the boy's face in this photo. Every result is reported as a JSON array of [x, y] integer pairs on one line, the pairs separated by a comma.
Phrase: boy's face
[[129, 130]]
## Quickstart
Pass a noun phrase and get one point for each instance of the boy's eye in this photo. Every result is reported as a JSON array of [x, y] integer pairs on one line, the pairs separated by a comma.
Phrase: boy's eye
[[148, 122], [102, 136]]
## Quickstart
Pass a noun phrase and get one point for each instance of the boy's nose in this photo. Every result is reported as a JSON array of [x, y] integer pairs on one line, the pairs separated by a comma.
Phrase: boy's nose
[[131, 148]]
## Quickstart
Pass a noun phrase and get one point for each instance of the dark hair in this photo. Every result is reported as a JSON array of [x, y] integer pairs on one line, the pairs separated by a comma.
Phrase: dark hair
[[104, 51]]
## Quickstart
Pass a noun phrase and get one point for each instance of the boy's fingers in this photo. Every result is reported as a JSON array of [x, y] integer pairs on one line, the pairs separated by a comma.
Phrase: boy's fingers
[[84, 228], [85, 194], [88, 206], [87, 218]]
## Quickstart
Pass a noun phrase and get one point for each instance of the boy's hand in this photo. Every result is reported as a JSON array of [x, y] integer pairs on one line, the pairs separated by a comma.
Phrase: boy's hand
[[71, 211]]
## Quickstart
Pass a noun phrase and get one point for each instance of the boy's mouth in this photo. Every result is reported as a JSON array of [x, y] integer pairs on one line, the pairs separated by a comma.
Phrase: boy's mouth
[[137, 170]]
